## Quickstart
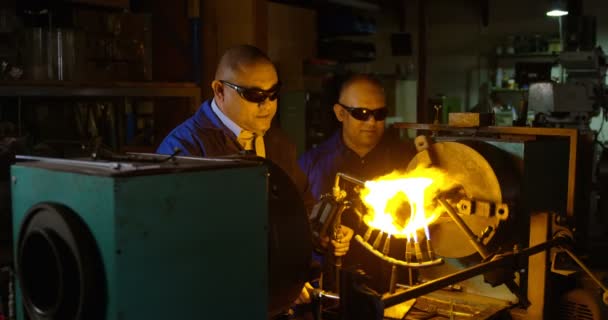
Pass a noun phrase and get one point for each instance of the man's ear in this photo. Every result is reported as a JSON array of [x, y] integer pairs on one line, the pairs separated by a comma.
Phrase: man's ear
[[339, 111], [218, 90]]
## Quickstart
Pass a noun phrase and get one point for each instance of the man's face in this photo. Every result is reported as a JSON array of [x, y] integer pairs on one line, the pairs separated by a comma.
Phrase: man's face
[[361, 133], [251, 116]]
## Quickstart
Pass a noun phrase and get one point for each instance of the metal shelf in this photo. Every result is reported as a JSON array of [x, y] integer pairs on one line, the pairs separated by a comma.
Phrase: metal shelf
[[529, 55], [509, 90], [88, 89], [73, 89], [317, 4]]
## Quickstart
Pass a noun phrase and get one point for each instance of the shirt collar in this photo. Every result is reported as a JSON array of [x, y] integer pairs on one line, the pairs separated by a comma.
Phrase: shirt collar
[[233, 127]]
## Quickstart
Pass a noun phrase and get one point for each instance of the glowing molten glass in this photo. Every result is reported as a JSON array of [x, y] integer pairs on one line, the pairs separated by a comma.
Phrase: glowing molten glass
[[400, 204]]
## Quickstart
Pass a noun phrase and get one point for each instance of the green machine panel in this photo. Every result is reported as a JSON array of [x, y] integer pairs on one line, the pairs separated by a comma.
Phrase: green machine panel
[[182, 240]]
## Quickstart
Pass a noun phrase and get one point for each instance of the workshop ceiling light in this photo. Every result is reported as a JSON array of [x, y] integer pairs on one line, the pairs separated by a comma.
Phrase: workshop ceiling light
[[557, 9]]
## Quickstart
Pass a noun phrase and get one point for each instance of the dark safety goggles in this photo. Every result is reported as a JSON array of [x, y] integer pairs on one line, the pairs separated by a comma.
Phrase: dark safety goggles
[[255, 95], [363, 114]]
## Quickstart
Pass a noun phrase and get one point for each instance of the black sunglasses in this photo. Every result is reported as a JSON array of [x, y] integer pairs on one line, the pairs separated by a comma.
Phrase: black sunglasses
[[363, 114], [255, 95]]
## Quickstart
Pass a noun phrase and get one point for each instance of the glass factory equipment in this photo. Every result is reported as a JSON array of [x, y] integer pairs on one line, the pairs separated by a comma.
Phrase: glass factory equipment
[[156, 237], [491, 219], [483, 224]]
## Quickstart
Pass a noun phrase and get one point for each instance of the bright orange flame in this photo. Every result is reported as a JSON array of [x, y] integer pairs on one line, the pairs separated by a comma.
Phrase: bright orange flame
[[386, 196]]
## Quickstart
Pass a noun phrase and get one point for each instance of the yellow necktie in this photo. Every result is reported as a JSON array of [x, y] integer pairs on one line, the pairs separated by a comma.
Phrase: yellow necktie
[[247, 139]]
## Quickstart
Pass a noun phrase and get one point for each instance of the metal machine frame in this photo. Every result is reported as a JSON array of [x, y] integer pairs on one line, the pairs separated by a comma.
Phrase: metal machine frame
[[549, 234]]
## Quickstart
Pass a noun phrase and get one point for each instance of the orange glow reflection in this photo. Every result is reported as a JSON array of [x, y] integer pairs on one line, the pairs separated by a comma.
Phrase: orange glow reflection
[[402, 203]]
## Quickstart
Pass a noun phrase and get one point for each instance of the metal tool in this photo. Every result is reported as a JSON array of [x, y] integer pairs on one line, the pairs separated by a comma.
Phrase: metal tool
[[510, 260], [481, 249]]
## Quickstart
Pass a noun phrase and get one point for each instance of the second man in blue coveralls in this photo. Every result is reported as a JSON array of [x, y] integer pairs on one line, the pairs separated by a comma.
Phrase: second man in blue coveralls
[[362, 149]]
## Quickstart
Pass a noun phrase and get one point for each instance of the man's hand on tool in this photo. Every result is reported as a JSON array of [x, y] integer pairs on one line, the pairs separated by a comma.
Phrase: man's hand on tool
[[342, 244]]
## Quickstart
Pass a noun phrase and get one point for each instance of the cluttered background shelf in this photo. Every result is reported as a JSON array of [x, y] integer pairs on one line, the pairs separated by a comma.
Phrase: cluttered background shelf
[[67, 117], [100, 89]]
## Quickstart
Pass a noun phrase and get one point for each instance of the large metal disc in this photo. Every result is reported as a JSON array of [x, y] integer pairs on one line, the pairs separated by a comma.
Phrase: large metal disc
[[479, 181]]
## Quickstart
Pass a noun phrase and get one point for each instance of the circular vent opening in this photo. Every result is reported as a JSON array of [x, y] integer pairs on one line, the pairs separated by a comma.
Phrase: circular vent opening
[[59, 267], [41, 269]]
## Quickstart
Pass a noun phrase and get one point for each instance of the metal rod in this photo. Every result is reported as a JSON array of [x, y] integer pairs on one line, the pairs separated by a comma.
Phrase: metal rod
[[481, 249], [587, 271], [368, 234], [393, 283], [337, 272], [378, 240], [387, 245], [410, 274], [507, 260], [408, 251], [453, 287], [106, 165], [418, 250], [350, 178], [463, 226], [429, 249], [337, 235], [329, 295], [318, 296]]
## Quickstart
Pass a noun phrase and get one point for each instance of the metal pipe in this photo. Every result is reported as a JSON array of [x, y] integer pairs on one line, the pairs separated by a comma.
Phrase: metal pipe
[[378, 240], [481, 249], [507, 260], [318, 296], [418, 250], [437, 284], [453, 287], [337, 235], [336, 189], [408, 251], [587, 271], [105, 165], [368, 234], [329, 295], [393, 282], [429, 249], [349, 178], [463, 226], [337, 272], [410, 276], [387, 244]]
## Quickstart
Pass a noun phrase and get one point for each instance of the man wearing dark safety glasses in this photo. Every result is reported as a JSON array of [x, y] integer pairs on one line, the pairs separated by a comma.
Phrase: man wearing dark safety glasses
[[361, 148], [238, 119]]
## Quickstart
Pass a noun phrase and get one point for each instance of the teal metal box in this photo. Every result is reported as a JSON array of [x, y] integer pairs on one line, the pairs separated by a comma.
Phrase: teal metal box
[[174, 243]]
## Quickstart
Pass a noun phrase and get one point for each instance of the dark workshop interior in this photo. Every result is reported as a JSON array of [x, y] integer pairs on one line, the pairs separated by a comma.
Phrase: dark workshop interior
[[127, 192]]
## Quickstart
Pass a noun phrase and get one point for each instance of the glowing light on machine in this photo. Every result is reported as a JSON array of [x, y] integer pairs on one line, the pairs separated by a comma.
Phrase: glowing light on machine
[[387, 196]]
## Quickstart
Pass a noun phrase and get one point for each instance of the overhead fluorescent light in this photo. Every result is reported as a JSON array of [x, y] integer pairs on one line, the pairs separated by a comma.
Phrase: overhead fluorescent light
[[558, 8], [557, 13]]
